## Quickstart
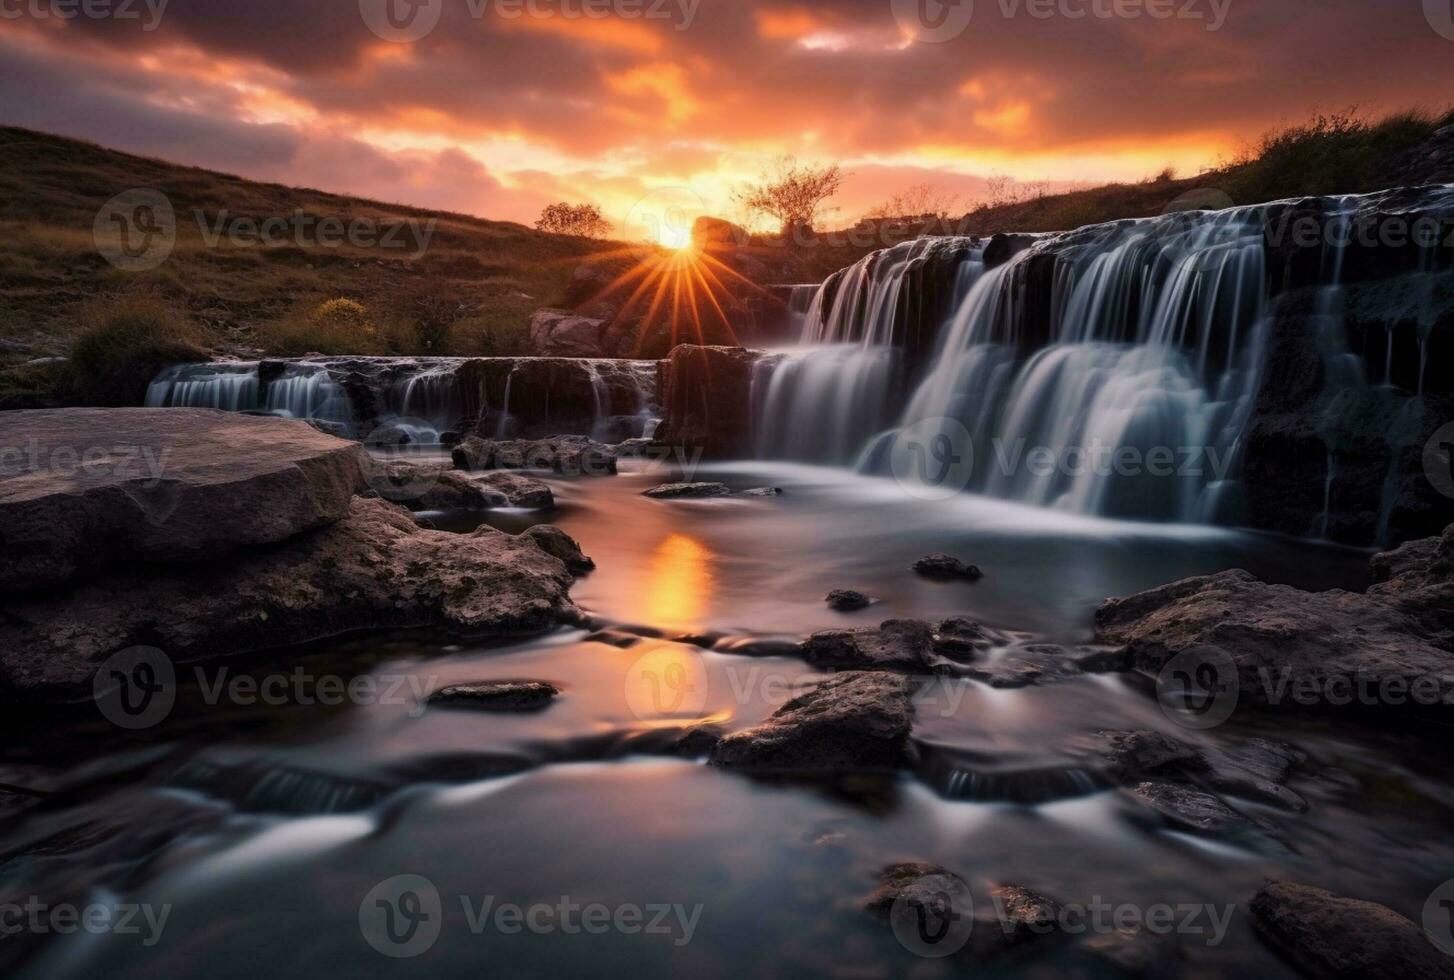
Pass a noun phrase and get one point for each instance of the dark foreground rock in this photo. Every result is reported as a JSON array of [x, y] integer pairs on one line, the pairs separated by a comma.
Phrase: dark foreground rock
[[497, 696], [566, 455], [556, 543], [706, 396], [847, 601], [375, 569], [1390, 648], [80, 488], [853, 722], [1327, 935], [946, 568]]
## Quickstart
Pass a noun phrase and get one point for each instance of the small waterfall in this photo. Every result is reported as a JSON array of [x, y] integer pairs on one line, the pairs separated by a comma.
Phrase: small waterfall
[[502, 431], [301, 391], [1114, 370]]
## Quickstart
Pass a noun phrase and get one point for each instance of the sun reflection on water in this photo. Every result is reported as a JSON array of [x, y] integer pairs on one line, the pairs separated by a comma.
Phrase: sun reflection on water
[[679, 589]]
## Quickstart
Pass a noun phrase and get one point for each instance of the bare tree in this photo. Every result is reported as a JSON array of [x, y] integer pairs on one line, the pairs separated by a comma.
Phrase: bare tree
[[918, 201], [793, 194], [582, 220]]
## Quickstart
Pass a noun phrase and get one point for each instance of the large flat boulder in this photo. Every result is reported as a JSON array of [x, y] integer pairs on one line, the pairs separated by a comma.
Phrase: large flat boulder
[[82, 487], [376, 569], [1390, 647]]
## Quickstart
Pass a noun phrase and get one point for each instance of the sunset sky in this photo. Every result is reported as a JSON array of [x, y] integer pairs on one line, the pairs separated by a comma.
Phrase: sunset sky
[[497, 115]]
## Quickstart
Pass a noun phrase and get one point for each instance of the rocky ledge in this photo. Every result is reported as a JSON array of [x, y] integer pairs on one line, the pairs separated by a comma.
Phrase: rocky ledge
[[80, 488], [1389, 647], [375, 569]]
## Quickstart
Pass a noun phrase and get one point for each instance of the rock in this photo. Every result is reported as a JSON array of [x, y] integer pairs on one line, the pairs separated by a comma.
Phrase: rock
[[847, 601], [556, 543], [81, 488], [903, 645], [1135, 755], [558, 333], [1191, 809], [545, 397], [1328, 935], [1135, 953], [497, 696], [1387, 649], [1257, 769], [566, 455], [761, 492], [689, 491], [853, 722], [514, 490], [1012, 917], [1024, 666], [944, 568], [376, 569], [706, 395], [962, 639], [715, 236]]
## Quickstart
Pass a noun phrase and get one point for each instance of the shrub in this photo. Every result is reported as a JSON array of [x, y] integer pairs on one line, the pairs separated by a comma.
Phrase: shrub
[[337, 326], [124, 346]]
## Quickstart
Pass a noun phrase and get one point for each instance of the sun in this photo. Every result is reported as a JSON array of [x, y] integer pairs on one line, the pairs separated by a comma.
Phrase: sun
[[673, 236]]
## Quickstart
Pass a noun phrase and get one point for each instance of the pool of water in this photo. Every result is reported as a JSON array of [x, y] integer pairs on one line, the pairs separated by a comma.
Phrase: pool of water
[[266, 830]]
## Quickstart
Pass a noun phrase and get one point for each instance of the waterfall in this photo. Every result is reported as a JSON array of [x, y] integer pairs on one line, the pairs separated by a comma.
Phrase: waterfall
[[423, 401], [1113, 370]]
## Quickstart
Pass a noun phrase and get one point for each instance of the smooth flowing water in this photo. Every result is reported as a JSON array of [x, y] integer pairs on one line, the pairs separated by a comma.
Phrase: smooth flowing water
[[263, 828]]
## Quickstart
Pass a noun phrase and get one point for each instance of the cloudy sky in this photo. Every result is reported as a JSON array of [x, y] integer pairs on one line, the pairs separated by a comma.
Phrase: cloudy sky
[[496, 107]]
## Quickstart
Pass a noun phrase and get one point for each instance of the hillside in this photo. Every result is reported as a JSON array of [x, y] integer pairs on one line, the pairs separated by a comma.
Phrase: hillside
[[470, 292]]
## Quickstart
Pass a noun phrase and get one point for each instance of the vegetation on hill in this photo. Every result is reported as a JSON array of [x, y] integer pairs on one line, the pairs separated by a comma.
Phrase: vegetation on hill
[[267, 269]]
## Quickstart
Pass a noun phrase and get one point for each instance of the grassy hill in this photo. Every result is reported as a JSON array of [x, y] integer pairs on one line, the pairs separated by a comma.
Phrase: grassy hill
[[471, 292]]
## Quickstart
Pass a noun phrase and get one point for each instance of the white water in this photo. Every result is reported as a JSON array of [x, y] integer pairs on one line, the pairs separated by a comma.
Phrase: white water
[[1126, 391]]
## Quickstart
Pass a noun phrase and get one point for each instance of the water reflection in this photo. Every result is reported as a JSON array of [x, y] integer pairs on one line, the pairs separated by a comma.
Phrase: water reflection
[[680, 585]]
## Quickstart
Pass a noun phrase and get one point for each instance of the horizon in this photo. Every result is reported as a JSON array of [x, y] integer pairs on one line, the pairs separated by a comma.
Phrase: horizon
[[495, 108]]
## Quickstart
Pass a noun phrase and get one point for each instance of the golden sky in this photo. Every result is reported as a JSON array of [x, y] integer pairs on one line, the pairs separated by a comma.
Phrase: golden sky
[[501, 106]]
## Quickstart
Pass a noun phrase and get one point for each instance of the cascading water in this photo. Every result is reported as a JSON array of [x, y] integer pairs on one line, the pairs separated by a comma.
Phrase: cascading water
[[1111, 371], [301, 391]]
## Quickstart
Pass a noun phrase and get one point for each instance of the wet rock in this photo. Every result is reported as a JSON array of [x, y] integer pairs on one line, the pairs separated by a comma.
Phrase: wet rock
[[82, 488], [497, 696], [946, 568], [375, 569], [963, 639], [707, 400], [1257, 769], [853, 722], [761, 492], [1387, 649], [1025, 666], [1135, 953], [1191, 809], [556, 543], [689, 491], [1133, 755], [1328, 935], [904, 645], [566, 455], [847, 601], [1013, 916], [423, 486]]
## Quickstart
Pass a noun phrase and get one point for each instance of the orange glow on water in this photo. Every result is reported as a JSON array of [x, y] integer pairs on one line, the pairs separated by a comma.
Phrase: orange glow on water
[[680, 583]]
